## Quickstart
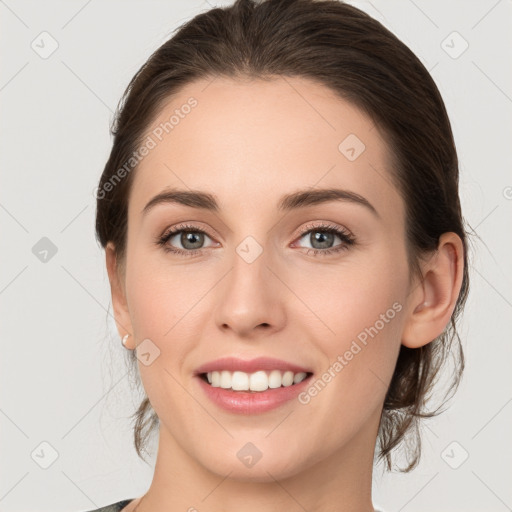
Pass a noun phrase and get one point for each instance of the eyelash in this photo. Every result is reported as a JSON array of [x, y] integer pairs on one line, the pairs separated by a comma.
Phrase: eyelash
[[347, 238]]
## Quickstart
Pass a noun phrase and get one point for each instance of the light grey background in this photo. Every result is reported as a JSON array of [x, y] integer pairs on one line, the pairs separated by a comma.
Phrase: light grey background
[[63, 370]]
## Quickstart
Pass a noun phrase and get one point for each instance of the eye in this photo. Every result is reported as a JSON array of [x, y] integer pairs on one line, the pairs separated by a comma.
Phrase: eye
[[322, 237], [190, 237]]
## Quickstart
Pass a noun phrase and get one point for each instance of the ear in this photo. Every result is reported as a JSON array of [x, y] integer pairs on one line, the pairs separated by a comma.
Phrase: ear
[[433, 300], [117, 288]]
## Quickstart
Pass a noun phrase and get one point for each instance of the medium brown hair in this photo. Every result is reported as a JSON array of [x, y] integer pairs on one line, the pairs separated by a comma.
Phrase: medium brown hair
[[346, 50]]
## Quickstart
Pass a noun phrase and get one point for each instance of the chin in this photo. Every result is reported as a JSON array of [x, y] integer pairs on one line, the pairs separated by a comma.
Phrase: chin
[[275, 465]]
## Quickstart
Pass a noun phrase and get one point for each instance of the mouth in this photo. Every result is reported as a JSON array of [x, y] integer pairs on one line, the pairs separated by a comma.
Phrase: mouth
[[255, 393], [252, 386]]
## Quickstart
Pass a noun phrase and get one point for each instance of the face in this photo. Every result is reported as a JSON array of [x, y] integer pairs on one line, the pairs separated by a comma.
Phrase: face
[[320, 284]]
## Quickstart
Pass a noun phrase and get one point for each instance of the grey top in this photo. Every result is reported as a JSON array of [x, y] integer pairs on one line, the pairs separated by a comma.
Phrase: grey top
[[113, 507]]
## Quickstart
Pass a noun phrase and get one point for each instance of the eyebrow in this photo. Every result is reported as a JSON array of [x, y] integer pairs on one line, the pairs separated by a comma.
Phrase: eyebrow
[[288, 202]]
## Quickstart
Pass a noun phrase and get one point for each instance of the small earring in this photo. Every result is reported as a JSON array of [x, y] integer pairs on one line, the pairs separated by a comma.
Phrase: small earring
[[125, 338]]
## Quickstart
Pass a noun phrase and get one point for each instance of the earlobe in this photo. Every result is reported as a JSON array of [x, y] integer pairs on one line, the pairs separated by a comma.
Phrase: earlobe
[[434, 299], [119, 303]]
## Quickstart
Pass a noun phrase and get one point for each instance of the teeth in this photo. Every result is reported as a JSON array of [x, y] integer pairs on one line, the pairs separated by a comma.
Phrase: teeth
[[258, 381]]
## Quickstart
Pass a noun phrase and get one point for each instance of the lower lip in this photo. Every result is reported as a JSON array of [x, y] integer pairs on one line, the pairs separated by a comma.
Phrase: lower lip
[[243, 402]]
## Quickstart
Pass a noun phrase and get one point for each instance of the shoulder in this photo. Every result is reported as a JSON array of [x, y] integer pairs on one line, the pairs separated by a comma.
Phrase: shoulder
[[113, 507]]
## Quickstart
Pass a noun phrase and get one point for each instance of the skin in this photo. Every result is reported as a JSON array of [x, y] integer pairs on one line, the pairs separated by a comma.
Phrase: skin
[[248, 143]]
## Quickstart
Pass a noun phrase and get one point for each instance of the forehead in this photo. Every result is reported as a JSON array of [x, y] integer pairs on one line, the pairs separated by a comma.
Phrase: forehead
[[250, 141]]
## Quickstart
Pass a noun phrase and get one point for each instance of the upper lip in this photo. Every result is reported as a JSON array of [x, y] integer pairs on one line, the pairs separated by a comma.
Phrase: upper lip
[[249, 366]]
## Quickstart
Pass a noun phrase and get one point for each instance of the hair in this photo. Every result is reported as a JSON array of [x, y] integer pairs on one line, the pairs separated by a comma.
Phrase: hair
[[349, 52]]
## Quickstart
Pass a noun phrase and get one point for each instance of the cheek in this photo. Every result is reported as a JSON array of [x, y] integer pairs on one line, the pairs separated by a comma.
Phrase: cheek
[[163, 308], [163, 299], [361, 311], [350, 297]]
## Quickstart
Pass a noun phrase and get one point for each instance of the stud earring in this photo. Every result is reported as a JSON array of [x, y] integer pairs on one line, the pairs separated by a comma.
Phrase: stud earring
[[125, 338]]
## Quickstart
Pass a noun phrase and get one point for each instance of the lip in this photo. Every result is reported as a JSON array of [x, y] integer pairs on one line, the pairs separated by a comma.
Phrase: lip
[[234, 364], [247, 403]]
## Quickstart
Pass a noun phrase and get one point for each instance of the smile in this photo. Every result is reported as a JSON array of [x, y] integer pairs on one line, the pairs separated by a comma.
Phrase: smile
[[249, 402], [258, 381]]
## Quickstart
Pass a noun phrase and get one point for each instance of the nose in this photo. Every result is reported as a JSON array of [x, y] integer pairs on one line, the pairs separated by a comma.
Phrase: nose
[[251, 298]]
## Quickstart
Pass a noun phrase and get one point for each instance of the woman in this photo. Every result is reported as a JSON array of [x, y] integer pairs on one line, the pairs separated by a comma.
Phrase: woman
[[286, 253]]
